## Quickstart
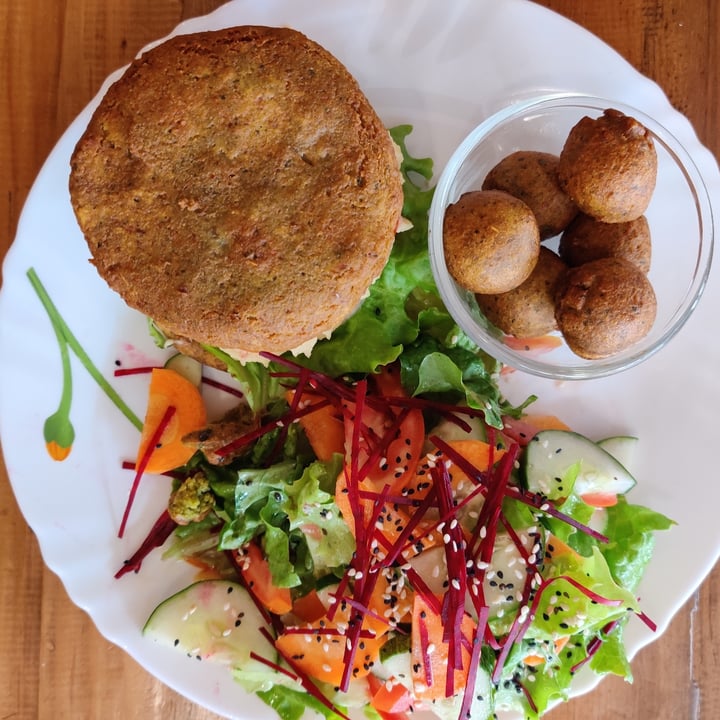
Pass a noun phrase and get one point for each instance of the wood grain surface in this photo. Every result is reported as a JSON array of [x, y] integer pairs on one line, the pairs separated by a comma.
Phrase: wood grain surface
[[54, 54]]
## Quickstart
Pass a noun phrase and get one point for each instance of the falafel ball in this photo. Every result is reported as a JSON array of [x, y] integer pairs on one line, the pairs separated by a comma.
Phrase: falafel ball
[[529, 309], [608, 166], [588, 239], [532, 176], [604, 307], [492, 241]]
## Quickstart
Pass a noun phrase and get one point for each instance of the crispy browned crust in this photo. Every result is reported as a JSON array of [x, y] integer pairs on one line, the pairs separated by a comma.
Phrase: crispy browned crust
[[608, 166], [529, 309], [604, 307], [532, 177], [491, 241], [238, 187], [588, 239]]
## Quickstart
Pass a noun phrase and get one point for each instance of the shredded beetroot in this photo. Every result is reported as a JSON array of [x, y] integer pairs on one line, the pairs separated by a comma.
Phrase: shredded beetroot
[[425, 650], [469, 691], [154, 440], [159, 533], [251, 437], [222, 386], [373, 421], [142, 370]]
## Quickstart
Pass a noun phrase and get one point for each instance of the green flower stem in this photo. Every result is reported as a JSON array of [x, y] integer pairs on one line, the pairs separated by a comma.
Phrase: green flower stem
[[58, 430], [62, 330]]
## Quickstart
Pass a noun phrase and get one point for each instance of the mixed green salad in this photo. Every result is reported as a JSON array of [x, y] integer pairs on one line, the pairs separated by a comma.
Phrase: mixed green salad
[[377, 530]]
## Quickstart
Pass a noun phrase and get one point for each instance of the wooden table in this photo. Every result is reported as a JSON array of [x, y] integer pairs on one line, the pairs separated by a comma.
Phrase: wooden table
[[54, 55]]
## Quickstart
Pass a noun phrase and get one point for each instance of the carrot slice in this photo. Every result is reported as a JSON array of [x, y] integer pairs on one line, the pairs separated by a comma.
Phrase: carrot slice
[[537, 660], [524, 430], [430, 653], [255, 571], [319, 651], [170, 389], [324, 428]]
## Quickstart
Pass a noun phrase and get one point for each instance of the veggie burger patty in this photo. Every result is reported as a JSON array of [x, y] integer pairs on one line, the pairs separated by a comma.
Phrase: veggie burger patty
[[238, 187]]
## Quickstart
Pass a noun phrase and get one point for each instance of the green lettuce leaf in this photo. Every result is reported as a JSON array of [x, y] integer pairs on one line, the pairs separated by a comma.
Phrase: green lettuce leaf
[[630, 530], [564, 609], [403, 317], [290, 704], [293, 513]]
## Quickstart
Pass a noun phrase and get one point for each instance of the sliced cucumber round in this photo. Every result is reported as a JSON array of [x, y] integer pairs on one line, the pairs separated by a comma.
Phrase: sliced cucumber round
[[557, 462], [186, 366], [210, 620], [623, 449], [505, 578]]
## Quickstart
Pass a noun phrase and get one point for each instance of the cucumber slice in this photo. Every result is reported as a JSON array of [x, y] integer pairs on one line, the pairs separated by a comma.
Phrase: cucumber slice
[[622, 448], [186, 366], [505, 578], [450, 432], [210, 620], [552, 456]]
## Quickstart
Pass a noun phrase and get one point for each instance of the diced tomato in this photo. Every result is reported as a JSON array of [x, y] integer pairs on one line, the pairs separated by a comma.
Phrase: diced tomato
[[309, 607], [599, 499], [390, 698]]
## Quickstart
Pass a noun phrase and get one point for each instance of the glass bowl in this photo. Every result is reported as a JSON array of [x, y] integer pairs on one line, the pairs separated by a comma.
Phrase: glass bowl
[[679, 216]]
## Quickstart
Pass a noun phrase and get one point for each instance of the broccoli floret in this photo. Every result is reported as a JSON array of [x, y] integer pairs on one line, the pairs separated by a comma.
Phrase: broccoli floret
[[193, 501]]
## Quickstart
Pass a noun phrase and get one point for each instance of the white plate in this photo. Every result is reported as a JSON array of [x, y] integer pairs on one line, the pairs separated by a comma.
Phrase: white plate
[[442, 67]]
